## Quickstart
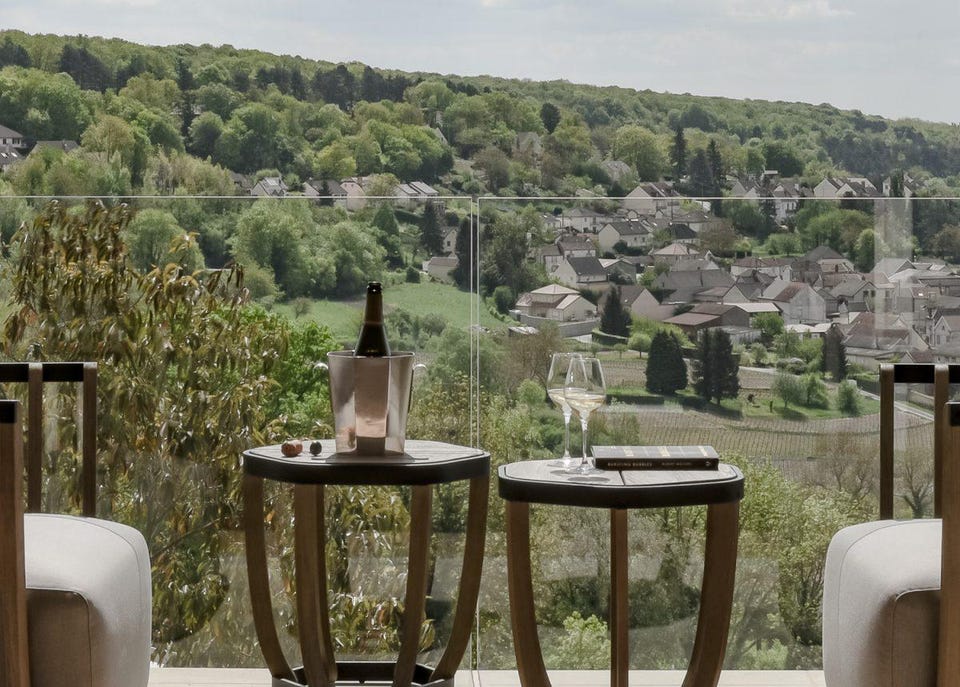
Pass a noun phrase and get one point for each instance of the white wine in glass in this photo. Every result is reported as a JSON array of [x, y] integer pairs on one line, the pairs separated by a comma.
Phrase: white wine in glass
[[556, 381], [585, 391]]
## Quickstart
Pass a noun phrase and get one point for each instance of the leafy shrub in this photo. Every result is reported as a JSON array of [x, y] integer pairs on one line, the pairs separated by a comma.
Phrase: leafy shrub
[[848, 398], [815, 391], [412, 275], [503, 298]]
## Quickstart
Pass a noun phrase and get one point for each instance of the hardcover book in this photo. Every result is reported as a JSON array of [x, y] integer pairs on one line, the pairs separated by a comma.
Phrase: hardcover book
[[656, 457]]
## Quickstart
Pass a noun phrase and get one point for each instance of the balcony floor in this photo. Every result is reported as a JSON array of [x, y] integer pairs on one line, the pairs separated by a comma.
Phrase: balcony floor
[[240, 677]]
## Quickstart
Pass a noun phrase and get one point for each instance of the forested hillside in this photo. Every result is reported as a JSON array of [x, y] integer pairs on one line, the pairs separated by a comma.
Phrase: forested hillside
[[137, 110]]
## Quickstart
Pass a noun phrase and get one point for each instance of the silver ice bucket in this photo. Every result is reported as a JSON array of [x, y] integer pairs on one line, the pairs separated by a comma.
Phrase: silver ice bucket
[[370, 397]]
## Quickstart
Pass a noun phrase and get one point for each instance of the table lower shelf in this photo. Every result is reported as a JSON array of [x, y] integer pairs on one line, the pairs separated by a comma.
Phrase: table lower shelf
[[372, 672]]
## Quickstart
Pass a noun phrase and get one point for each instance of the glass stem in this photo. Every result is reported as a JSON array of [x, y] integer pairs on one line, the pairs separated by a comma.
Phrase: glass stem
[[566, 434], [584, 419]]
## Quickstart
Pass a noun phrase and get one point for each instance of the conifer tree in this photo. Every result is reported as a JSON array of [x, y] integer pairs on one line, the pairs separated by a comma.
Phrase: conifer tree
[[716, 368], [430, 236], [834, 358], [666, 368], [614, 318], [678, 153]]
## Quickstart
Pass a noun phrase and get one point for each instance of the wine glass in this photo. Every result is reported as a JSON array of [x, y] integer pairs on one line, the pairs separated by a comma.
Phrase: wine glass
[[584, 390], [556, 381]]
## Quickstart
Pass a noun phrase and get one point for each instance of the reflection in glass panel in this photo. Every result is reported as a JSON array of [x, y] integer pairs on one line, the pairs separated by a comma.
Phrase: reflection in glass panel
[[812, 293], [812, 288], [206, 316]]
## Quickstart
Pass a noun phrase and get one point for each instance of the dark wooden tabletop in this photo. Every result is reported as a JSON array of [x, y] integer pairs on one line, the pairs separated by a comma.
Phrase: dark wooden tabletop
[[424, 462], [535, 481]]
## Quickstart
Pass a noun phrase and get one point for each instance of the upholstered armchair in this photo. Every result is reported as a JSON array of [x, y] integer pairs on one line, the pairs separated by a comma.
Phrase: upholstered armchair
[[887, 619], [74, 591]]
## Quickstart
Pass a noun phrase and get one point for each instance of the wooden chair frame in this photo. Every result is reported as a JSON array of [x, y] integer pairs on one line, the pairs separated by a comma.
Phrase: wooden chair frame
[[941, 377], [948, 656], [14, 658]]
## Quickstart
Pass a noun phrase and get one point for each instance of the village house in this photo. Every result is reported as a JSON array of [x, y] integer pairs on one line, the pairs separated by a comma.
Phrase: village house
[[774, 267], [583, 220], [450, 240], [325, 188], [702, 263], [616, 266], [855, 293], [891, 266], [785, 194], [845, 187], [875, 337], [682, 287], [649, 197], [946, 330], [556, 302], [641, 303], [549, 256], [675, 252], [798, 302], [682, 233], [269, 187], [439, 268], [9, 157], [9, 137], [355, 196], [582, 273], [631, 233], [576, 247], [697, 220]]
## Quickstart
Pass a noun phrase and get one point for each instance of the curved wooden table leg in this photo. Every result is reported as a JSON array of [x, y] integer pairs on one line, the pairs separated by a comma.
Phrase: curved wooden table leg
[[316, 661], [526, 643], [326, 640], [259, 579], [619, 629], [415, 601], [716, 595], [469, 588]]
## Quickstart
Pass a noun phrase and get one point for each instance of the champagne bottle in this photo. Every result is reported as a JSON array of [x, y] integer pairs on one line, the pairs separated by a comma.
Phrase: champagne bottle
[[373, 336]]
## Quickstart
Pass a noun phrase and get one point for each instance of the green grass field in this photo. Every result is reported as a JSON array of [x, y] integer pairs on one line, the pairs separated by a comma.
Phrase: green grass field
[[343, 317]]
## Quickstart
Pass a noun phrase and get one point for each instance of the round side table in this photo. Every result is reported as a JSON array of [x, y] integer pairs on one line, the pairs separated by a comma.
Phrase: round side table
[[721, 490], [424, 464]]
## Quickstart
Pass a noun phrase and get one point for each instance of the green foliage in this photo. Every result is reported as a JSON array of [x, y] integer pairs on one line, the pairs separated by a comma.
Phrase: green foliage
[[43, 106], [430, 234], [783, 244], [639, 148], [644, 325], [531, 393], [849, 401], [550, 116], [504, 299], [666, 368], [154, 236], [834, 355], [814, 391], [614, 316], [792, 524], [585, 645], [272, 235], [789, 388], [178, 399], [715, 367]]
